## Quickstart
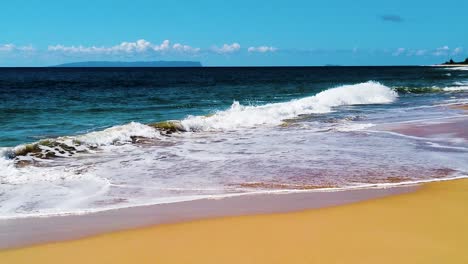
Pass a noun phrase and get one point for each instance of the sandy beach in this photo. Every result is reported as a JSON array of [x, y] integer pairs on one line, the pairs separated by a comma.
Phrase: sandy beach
[[425, 226], [402, 224]]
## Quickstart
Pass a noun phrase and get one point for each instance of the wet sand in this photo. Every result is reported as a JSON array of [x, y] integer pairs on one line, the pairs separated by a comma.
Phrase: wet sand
[[446, 129], [425, 226], [461, 107], [34, 230]]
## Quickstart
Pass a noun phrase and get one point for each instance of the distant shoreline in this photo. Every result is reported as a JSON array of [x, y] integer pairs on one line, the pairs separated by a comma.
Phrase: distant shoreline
[[451, 62]]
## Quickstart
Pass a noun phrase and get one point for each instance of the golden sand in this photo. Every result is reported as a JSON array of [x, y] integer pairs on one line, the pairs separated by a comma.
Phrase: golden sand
[[427, 226]]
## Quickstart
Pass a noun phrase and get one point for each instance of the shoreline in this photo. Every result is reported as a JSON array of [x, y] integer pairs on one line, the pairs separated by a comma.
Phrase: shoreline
[[16, 232], [424, 217], [29, 231], [211, 197], [424, 225], [417, 129]]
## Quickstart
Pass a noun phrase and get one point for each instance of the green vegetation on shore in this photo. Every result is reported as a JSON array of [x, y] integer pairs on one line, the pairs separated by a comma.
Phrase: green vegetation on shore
[[451, 62]]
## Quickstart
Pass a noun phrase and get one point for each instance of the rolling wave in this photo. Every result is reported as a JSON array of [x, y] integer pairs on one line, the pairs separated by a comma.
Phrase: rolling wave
[[236, 117], [456, 89], [123, 170], [434, 89], [240, 116], [70, 145]]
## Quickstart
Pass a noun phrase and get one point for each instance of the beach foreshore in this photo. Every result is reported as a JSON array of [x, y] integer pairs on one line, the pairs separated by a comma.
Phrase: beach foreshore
[[416, 223], [427, 225], [20, 232]]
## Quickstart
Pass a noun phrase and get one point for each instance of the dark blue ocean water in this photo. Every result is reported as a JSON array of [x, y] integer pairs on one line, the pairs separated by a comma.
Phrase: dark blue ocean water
[[38, 103]]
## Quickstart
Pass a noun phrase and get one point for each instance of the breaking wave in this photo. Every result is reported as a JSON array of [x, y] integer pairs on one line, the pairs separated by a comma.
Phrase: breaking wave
[[461, 68], [434, 89], [236, 117], [239, 116], [70, 145], [456, 89]]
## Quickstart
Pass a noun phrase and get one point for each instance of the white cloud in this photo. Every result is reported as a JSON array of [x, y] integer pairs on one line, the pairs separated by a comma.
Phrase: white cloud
[[420, 52], [185, 48], [457, 50], [262, 49], [442, 51], [7, 47], [139, 46], [227, 48], [398, 52], [77, 49], [12, 48], [164, 46]]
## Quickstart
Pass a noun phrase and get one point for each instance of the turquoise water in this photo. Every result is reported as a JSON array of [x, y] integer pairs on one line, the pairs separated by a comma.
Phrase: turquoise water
[[79, 140]]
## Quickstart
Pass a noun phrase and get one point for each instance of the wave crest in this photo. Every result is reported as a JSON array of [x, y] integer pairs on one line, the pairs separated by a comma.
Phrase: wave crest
[[68, 146], [239, 116], [456, 89], [434, 89]]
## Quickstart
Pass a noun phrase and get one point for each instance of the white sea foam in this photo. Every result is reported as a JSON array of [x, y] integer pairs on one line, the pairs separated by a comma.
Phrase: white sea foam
[[451, 67], [170, 200], [121, 133], [11, 174], [461, 68], [238, 116], [34, 188], [455, 88], [348, 127], [116, 134]]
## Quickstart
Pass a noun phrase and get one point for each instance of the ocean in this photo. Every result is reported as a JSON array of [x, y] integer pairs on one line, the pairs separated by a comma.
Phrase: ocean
[[78, 140]]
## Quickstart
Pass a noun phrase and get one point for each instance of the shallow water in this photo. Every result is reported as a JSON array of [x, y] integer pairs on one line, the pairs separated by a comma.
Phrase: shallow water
[[242, 130]]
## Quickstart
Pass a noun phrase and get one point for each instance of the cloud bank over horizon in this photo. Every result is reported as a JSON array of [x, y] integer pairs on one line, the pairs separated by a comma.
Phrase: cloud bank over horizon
[[13, 48], [437, 52], [144, 50], [139, 46]]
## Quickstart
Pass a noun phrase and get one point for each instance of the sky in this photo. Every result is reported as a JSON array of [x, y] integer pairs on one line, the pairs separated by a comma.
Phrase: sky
[[234, 33]]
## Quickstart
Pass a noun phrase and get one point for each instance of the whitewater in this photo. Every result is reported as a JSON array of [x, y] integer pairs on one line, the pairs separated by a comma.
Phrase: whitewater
[[238, 116]]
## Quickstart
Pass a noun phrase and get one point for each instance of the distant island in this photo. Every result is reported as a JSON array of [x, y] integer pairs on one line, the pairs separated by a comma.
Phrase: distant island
[[451, 62], [132, 64]]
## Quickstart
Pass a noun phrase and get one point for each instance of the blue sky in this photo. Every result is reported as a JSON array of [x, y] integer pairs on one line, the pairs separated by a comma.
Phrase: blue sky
[[234, 33]]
